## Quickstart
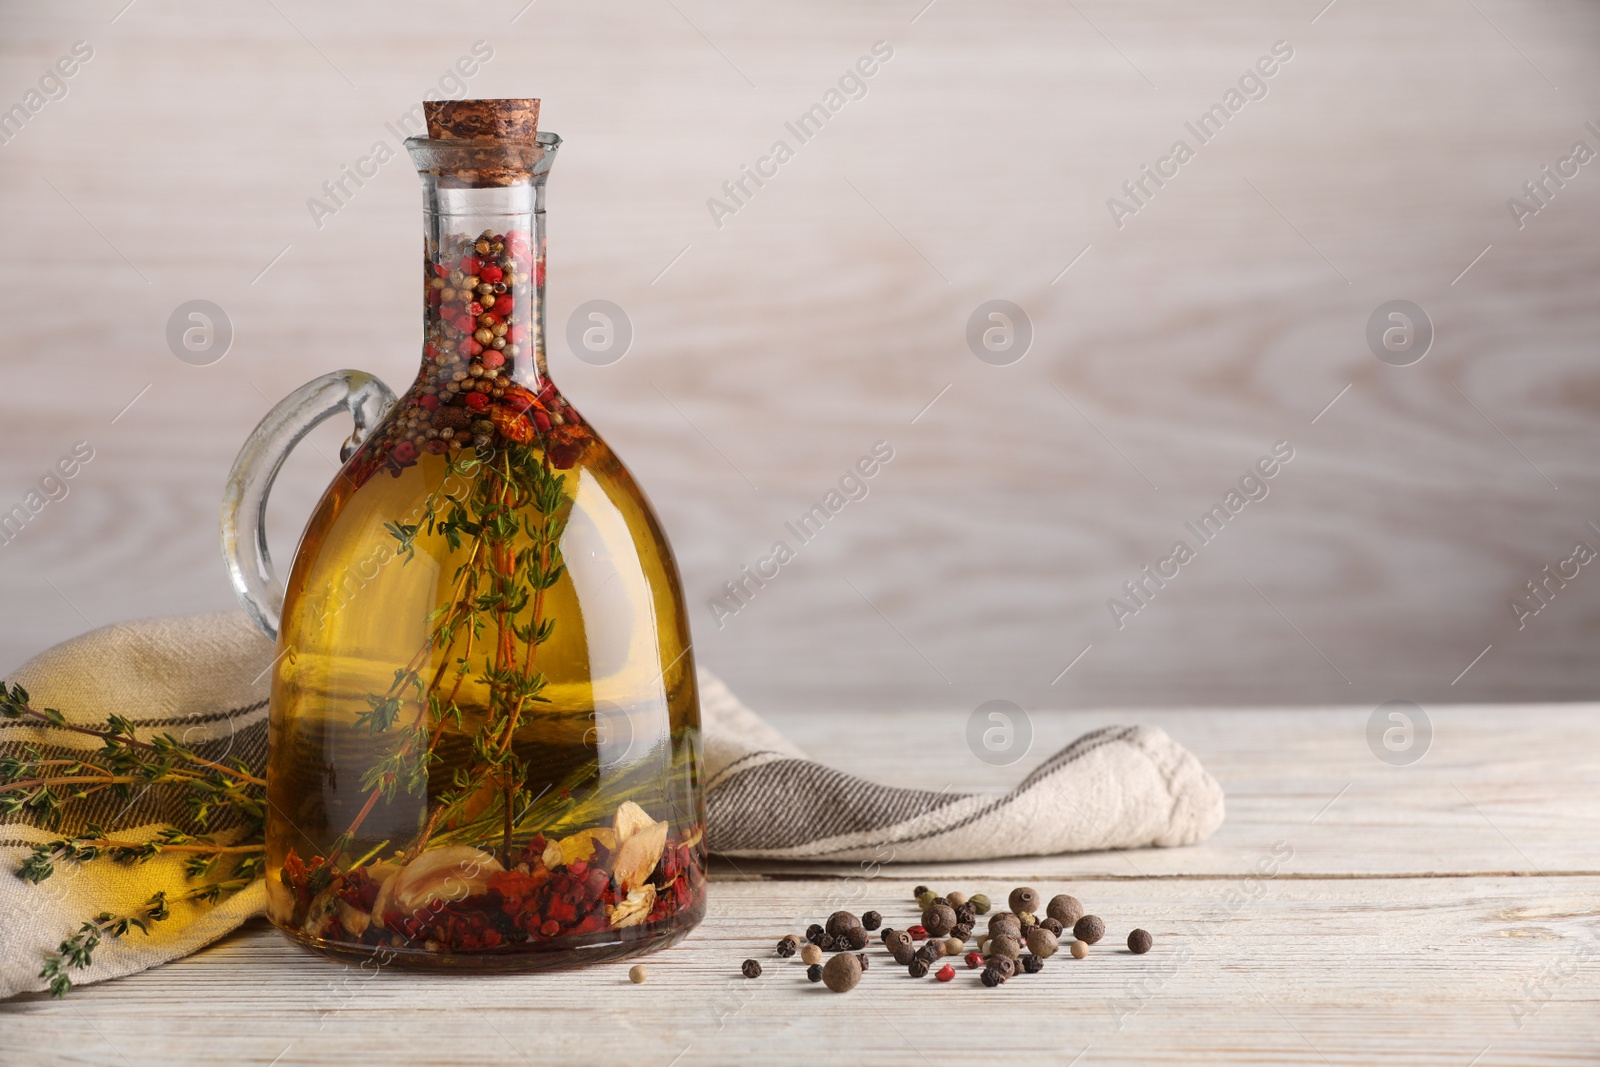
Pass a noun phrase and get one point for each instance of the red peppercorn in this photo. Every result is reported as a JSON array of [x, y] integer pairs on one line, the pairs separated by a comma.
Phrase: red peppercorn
[[974, 960], [946, 973], [503, 304], [491, 274], [430, 402], [469, 347], [477, 401], [405, 451], [917, 932], [541, 419], [441, 270], [492, 359], [468, 265]]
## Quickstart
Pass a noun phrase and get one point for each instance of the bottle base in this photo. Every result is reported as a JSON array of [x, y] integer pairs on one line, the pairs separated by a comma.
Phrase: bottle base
[[601, 947]]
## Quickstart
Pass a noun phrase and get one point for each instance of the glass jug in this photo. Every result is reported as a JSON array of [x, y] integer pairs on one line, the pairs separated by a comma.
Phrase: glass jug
[[484, 740]]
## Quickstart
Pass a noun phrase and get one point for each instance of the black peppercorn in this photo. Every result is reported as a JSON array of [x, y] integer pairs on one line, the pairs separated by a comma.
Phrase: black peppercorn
[[990, 977], [871, 920], [786, 948], [917, 892], [966, 913], [1139, 942], [813, 932], [841, 923], [825, 941], [918, 967], [1032, 964], [814, 972], [930, 951], [1053, 926], [862, 956], [751, 969], [1089, 929]]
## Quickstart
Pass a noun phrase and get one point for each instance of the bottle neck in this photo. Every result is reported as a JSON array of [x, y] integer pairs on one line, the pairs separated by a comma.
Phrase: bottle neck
[[483, 312]]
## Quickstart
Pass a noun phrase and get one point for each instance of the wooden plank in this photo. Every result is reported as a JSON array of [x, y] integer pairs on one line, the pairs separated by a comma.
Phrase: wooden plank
[[1373, 971]]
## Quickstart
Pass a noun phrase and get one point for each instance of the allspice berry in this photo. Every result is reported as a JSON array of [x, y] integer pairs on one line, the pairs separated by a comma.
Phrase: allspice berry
[[871, 920], [903, 954], [1024, 899], [1042, 942], [1079, 950], [1053, 926], [894, 939], [1004, 964], [939, 919], [1065, 909], [1090, 928], [1004, 922], [637, 974], [979, 902], [841, 923], [842, 972], [811, 954], [1004, 945], [1139, 942]]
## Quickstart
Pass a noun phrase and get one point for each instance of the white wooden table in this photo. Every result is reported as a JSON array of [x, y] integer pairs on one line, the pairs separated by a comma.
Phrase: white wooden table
[[1446, 912]]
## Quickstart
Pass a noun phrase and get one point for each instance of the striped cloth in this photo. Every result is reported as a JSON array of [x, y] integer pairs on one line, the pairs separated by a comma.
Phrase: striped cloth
[[204, 679]]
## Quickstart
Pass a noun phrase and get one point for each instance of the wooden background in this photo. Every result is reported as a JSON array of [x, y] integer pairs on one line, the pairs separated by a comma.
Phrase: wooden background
[[771, 353]]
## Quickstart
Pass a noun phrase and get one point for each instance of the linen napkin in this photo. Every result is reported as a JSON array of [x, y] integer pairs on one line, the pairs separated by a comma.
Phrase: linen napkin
[[204, 679]]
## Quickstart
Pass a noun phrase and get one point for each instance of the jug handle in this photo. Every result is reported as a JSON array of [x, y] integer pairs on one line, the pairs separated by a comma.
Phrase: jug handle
[[244, 501]]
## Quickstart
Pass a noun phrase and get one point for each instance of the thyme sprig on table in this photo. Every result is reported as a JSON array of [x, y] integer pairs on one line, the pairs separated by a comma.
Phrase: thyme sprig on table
[[77, 951], [46, 789]]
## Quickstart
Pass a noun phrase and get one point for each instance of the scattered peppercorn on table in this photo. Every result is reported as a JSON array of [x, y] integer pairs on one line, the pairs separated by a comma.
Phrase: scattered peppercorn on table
[[1348, 912]]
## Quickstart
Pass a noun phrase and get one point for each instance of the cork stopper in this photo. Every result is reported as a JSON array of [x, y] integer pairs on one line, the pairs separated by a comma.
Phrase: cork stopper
[[466, 120]]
